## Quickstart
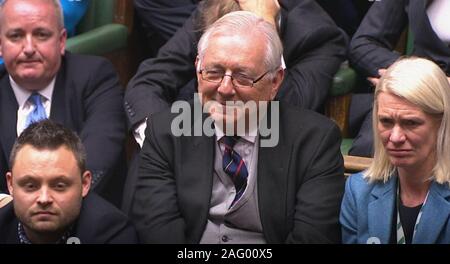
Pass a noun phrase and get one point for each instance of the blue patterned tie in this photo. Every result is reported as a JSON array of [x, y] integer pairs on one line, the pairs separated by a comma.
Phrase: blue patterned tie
[[38, 112], [234, 166]]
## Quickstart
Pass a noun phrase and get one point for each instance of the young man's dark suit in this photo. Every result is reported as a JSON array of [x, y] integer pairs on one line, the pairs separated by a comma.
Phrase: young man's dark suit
[[372, 48], [87, 98], [99, 223], [300, 182]]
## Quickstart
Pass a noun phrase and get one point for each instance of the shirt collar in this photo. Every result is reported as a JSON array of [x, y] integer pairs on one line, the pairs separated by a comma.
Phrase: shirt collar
[[23, 94], [23, 239], [250, 137]]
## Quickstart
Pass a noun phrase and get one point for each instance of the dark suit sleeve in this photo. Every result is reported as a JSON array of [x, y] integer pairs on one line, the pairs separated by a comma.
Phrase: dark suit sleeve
[[125, 236], [319, 196], [99, 222], [162, 16], [372, 46], [314, 48], [104, 129], [155, 210], [158, 80]]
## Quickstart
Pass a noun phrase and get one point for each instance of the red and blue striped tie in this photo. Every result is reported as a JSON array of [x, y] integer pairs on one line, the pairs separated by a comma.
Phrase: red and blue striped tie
[[234, 166]]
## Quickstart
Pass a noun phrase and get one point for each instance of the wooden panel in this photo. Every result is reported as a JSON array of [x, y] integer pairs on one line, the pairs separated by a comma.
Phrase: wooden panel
[[4, 200], [355, 164], [124, 13], [337, 109], [124, 60]]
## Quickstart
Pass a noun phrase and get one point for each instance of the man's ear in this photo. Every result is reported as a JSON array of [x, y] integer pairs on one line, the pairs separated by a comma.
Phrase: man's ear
[[62, 41], [276, 82], [197, 63], [9, 182], [86, 179]]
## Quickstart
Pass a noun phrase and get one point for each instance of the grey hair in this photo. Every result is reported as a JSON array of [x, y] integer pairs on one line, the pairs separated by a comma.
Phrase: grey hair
[[425, 85], [244, 22], [56, 3]]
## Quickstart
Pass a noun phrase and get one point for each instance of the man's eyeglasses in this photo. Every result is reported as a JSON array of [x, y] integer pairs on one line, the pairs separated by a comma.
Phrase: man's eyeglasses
[[238, 80]]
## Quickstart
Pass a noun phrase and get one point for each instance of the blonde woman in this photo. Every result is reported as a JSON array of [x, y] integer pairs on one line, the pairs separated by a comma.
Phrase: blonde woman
[[404, 196]]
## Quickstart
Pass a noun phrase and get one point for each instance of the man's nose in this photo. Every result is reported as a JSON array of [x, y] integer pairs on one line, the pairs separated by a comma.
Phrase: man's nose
[[28, 46], [45, 196], [226, 87]]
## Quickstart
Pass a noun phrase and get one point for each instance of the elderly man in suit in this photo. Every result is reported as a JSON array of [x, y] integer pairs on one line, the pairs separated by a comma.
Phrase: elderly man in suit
[[230, 183], [314, 48], [42, 80], [50, 186]]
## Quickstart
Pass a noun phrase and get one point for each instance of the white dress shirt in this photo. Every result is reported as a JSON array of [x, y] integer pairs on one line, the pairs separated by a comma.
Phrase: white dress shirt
[[438, 13], [25, 106]]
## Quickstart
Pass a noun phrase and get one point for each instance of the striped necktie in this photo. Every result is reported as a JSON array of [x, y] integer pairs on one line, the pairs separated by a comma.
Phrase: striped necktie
[[234, 166], [38, 112]]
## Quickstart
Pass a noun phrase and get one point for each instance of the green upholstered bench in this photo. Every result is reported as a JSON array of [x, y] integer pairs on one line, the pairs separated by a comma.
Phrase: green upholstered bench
[[98, 32]]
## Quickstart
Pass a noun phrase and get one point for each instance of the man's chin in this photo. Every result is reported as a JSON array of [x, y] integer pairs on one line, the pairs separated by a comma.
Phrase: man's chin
[[229, 123], [45, 226]]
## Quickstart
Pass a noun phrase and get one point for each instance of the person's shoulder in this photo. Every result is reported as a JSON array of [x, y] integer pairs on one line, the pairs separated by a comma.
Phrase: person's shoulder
[[443, 189], [6, 214], [101, 222], [8, 223], [358, 179], [97, 207], [308, 11], [186, 112], [297, 116], [82, 62], [360, 185]]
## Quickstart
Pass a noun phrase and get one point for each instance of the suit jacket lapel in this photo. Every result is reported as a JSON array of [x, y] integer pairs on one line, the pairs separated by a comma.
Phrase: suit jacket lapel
[[435, 216], [58, 108], [8, 121], [381, 210], [197, 168], [272, 182]]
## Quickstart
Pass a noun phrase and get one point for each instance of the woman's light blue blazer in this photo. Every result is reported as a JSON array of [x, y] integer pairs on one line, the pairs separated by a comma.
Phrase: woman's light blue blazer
[[367, 212]]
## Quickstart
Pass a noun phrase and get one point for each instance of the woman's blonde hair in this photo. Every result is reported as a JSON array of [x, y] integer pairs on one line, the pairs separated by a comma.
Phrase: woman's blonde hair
[[422, 83]]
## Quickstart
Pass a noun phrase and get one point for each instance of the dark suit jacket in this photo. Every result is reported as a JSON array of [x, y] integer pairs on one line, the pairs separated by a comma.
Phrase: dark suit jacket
[[98, 223], [372, 47], [87, 98], [164, 17], [314, 48], [300, 182]]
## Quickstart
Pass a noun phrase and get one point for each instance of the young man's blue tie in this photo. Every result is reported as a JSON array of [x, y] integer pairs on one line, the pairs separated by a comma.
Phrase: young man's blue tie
[[234, 166], [38, 112]]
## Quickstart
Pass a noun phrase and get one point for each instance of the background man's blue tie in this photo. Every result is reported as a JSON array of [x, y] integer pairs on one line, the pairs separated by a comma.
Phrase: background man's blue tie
[[38, 112], [234, 166]]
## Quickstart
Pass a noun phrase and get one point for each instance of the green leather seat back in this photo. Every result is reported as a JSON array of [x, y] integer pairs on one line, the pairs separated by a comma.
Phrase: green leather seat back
[[99, 13], [410, 43]]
